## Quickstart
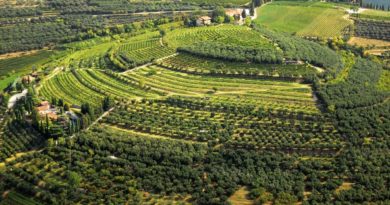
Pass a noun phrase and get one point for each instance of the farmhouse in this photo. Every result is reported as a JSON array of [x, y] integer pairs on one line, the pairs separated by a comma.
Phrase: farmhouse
[[236, 13], [28, 79], [203, 21], [44, 109]]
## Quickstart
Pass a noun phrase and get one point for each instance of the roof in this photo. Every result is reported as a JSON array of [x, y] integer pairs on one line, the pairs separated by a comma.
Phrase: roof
[[232, 12], [43, 108], [205, 18], [52, 116], [44, 103]]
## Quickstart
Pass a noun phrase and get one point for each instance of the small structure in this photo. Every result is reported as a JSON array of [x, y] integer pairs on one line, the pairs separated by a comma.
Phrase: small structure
[[235, 13], [44, 109], [28, 79], [203, 21]]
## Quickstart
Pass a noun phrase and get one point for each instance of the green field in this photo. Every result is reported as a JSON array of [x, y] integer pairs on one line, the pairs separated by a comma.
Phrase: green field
[[304, 18], [12, 68], [375, 14]]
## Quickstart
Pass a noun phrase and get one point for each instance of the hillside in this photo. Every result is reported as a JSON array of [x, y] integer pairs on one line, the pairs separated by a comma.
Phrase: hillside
[[192, 102]]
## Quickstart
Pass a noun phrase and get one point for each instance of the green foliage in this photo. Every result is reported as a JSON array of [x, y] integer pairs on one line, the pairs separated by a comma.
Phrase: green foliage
[[300, 49], [357, 101], [372, 29], [208, 66], [265, 54]]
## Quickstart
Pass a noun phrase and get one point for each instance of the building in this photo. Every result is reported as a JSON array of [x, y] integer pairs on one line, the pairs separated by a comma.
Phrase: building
[[203, 21], [28, 79], [44, 109], [235, 13]]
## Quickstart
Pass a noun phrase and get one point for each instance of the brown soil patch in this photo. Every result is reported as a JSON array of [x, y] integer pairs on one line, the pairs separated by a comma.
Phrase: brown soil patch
[[240, 197], [365, 42]]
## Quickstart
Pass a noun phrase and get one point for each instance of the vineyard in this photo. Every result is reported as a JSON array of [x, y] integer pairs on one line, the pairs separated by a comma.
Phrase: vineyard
[[176, 83], [241, 125], [13, 67], [208, 66], [81, 86], [372, 29], [135, 103], [235, 35], [134, 54]]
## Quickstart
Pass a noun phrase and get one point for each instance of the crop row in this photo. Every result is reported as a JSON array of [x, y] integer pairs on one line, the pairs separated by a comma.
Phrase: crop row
[[373, 29], [79, 86], [17, 138], [201, 65], [233, 34], [259, 128], [177, 83]]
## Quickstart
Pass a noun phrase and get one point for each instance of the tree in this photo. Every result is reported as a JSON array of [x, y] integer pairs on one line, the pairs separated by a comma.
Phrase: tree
[[74, 179], [54, 101], [163, 32], [220, 19], [285, 199], [218, 13], [248, 21], [106, 104], [252, 10], [66, 107], [243, 14]]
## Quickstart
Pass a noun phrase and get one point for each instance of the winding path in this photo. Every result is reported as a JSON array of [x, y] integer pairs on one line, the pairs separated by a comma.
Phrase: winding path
[[15, 98]]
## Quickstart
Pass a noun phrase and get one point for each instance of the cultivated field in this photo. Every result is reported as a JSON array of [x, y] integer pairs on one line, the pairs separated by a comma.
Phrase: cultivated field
[[12, 68], [375, 14], [304, 19]]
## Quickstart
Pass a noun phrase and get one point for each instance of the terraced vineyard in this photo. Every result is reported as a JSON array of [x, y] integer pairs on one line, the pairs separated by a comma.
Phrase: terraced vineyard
[[200, 65], [80, 86], [177, 83], [373, 29], [139, 104], [243, 125], [235, 35], [139, 53]]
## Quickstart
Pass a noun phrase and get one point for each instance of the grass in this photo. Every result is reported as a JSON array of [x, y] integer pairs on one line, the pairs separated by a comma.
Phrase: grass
[[12, 68], [304, 18], [344, 187], [24, 63], [375, 14], [366, 42], [240, 197], [6, 80], [384, 81], [133, 133]]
